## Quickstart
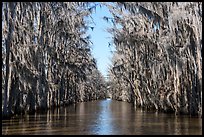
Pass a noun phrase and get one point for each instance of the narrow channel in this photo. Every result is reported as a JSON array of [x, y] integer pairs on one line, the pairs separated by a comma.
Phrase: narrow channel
[[103, 117]]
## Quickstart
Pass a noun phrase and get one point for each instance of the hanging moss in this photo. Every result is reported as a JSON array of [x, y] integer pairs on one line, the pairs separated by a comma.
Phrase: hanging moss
[[54, 68], [162, 61]]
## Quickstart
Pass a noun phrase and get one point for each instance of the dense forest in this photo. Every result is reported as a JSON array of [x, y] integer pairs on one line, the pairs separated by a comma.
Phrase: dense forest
[[47, 60], [46, 56], [158, 62]]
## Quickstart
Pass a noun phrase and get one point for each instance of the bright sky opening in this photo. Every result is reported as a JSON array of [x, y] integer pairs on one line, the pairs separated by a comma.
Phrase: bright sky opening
[[101, 39]]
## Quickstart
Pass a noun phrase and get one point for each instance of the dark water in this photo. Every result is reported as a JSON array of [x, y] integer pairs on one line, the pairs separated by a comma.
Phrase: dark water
[[103, 117]]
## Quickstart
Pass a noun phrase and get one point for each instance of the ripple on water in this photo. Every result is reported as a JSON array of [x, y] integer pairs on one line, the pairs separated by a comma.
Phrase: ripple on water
[[104, 117]]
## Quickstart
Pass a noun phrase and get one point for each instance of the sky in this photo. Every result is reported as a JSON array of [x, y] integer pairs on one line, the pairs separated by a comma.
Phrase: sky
[[101, 38]]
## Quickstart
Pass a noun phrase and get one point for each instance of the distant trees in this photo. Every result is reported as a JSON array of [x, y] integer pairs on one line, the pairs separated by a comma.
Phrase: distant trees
[[157, 63], [46, 58]]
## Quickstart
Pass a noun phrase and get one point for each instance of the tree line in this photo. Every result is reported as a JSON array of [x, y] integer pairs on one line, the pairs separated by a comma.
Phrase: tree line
[[46, 56], [158, 59], [47, 61]]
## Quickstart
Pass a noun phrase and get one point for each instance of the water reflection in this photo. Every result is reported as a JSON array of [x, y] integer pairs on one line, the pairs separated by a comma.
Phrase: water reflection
[[104, 121], [102, 117]]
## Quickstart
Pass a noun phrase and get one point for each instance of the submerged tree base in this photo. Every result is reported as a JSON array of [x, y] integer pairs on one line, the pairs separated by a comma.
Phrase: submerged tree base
[[47, 61], [158, 61]]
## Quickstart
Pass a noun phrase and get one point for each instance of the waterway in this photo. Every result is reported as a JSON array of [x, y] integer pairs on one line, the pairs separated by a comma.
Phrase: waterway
[[102, 117]]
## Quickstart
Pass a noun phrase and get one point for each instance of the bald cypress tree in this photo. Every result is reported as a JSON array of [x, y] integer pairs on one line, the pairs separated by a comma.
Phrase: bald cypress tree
[[158, 55], [46, 55]]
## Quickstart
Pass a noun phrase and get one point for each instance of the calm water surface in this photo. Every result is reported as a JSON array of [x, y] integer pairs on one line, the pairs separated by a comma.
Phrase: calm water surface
[[102, 117]]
